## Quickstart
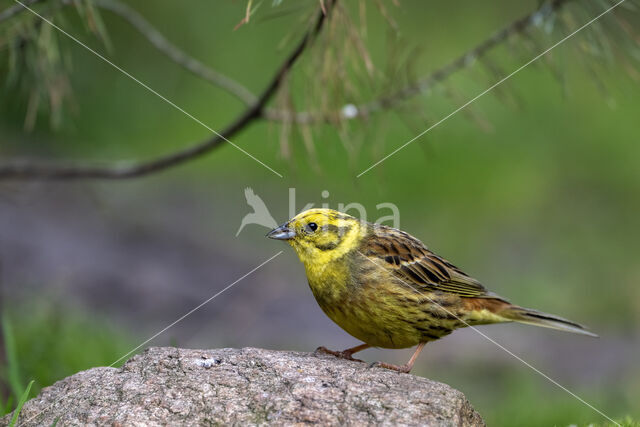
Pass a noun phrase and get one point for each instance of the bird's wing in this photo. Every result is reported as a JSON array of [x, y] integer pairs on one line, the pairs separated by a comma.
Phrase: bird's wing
[[410, 261]]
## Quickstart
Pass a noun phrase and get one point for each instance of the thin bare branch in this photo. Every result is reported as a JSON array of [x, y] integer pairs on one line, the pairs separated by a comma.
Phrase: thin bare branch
[[176, 54], [160, 42], [28, 170]]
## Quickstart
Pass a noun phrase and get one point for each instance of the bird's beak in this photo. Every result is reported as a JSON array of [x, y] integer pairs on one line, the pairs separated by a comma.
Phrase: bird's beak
[[282, 233]]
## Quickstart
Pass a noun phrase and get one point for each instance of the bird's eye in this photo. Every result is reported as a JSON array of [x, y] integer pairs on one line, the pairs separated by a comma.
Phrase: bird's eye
[[312, 226]]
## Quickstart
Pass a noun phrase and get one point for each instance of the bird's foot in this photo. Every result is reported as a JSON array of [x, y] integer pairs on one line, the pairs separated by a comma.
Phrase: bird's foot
[[341, 354], [405, 369]]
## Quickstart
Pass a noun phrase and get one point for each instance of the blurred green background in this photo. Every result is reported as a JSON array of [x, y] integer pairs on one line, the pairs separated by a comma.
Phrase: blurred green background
[[538, 198]]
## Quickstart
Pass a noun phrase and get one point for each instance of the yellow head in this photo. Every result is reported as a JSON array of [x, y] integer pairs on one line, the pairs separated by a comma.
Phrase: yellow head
[[320, 235]]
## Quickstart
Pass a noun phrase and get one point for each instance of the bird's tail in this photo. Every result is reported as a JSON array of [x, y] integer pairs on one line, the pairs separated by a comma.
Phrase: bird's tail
[[538, 318]]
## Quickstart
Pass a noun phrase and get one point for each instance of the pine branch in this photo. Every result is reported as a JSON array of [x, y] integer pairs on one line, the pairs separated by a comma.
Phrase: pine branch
[[257, 105], [424, 84], [174, 53], [28, 170]]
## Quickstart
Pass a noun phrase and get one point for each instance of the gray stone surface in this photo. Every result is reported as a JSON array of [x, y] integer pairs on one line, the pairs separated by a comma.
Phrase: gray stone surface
[[171, 386]]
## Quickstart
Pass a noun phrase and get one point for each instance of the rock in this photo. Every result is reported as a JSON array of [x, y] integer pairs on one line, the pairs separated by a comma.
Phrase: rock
[[171, 386]]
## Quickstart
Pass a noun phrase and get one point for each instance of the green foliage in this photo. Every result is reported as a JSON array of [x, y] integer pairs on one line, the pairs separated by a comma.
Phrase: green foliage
[[37, 61], [509, 394], [53, 342], [627, 421], [23, 398], [10, 373]]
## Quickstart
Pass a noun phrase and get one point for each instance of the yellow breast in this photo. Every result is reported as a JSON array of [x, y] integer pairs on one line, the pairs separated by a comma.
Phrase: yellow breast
[[366, 310]]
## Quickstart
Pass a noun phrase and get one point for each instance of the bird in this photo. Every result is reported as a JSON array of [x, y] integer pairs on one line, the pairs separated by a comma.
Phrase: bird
[[260, 214], [388, 290]]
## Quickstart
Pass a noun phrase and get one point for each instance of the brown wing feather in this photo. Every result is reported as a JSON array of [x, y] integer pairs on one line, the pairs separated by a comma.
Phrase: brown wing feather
[[412, 262]]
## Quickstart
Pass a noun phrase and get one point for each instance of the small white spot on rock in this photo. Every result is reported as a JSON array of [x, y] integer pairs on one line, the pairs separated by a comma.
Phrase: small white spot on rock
[[309, 380], [207, 363]]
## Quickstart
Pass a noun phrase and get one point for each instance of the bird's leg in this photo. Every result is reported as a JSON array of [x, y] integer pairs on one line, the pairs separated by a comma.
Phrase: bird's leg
[[406, 368], [345, 354]]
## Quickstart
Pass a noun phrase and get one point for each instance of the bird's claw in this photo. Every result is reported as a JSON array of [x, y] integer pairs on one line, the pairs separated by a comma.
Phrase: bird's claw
[[325, 350], [339, 354], [405, 369]]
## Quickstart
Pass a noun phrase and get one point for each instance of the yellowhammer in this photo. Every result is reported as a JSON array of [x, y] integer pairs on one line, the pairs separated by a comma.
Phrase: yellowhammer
[[385, 287]]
